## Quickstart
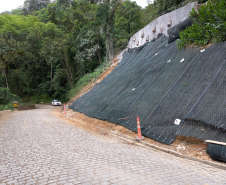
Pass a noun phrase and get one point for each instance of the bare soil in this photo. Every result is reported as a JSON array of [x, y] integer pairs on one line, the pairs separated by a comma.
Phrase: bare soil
[[195, 46]]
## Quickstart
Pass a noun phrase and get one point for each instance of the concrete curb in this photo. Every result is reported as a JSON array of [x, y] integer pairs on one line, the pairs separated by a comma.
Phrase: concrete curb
[[218, 165]]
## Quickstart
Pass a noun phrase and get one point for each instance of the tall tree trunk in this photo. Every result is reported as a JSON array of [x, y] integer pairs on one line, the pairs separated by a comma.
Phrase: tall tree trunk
[[69, 73], [4, 67], [99, 56], [98, 51], [51, 71], [109, 43], [6, 79]]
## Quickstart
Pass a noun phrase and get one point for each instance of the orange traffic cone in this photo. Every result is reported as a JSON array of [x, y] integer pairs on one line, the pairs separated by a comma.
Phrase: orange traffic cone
[[139, 136]]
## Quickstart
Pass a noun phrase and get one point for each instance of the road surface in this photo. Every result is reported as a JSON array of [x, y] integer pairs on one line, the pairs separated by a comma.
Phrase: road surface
[[38, 148]]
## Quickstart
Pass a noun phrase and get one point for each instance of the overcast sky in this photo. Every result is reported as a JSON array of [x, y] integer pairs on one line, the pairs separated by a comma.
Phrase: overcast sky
[[8, 5]]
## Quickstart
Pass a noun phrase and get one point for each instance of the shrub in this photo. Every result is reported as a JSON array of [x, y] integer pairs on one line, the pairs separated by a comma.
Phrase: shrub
[[5, 96], [209, 25], [122, 43], [8, 106], [6, 99]]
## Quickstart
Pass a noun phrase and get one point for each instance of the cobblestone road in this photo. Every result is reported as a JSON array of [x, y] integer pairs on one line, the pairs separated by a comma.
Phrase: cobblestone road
[[37, 148]]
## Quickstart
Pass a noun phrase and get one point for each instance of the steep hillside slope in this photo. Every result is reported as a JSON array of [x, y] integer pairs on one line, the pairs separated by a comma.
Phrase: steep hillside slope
[[160, 84]]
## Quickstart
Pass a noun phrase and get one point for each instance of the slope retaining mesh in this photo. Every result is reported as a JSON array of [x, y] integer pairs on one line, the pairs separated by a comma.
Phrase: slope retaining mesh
[[159, 83]]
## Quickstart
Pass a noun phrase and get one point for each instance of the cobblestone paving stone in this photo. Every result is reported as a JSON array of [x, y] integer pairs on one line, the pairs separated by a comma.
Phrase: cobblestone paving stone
[[37, 148]]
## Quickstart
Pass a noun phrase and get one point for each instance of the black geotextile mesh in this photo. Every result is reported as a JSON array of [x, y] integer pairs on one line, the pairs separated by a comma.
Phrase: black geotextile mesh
[[153, 83], [174, 32], [216, 152]]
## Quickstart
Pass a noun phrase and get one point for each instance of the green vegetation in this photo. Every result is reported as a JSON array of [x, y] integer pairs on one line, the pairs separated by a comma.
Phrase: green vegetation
[[8, 106], [36, 99], [160, 7], [165, 6], [51, 49], [47, 47], [209, 25], [90, 77], [128, 21], [6, 99]]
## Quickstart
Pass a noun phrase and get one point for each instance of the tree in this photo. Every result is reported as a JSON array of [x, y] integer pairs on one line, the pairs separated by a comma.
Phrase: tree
[[86, 52], [52, 45], [18, 34], [34, 5], [128, 22], [149, 14], [18, 82], [77, 18], [17, 11], [13, 31], [5, 96], [157, 8], [60, 84], [106, 18], [42, 15], [165, 6]]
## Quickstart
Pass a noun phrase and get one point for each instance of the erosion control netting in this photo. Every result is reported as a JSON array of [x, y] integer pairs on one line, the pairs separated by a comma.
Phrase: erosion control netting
[[174, 32], [160, 84]]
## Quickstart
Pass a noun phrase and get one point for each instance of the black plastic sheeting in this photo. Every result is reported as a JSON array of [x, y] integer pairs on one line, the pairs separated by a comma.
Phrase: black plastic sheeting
[[159, 83]]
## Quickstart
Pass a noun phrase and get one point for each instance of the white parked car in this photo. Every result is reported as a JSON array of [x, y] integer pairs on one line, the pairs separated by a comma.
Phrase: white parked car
[[56, 102]]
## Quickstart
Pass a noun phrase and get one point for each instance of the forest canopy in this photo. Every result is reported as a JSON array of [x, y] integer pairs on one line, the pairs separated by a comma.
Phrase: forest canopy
[[47, 46]]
